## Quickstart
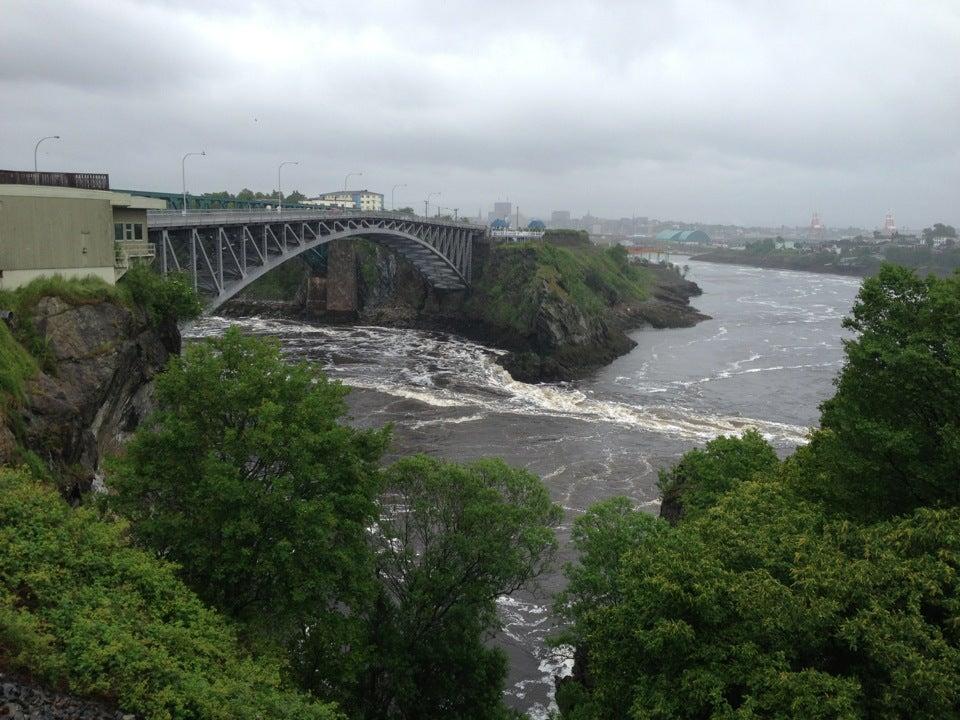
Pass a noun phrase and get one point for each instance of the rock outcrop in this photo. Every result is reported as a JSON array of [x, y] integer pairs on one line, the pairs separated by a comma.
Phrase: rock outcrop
[[97, 388], [23, 700], [559, 341]]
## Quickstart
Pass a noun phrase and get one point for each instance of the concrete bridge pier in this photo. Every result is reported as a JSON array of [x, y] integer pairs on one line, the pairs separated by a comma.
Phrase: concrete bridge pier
[[341, 282]]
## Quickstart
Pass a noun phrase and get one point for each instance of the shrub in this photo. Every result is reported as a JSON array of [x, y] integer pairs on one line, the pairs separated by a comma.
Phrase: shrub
[[81, 609], [163, 298]]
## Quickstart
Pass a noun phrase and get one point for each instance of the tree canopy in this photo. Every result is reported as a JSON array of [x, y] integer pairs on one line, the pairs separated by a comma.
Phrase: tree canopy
[[246, 479], [825, 586], [451, 539], [890, 437], [380, 585]]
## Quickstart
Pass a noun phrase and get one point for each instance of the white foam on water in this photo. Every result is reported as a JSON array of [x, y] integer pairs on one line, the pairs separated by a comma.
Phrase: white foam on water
[[448, 372]]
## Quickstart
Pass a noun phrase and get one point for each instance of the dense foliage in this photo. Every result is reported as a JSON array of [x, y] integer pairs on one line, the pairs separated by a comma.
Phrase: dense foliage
[[165, 298], [378, 585], [891, 433], [518, 278], [246, 479], [82, 609], [452, 539], [825, 586], [702, 476]]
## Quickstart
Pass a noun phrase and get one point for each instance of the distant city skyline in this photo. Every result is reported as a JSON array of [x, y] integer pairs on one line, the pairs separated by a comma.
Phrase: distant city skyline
[[729, 112]]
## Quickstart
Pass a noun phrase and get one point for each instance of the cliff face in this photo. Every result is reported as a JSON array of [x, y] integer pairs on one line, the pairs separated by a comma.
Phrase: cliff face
[[102, 357], [556, 328], [560, 312]]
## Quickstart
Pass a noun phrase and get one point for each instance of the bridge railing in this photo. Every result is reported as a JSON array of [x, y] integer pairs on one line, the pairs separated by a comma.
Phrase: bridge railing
[[212, 215]]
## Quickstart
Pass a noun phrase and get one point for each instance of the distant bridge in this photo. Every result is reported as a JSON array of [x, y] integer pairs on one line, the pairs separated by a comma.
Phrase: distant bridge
[[224, 251]]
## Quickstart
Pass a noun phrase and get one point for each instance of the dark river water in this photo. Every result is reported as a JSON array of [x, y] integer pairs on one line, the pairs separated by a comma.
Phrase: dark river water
[[765, 360]]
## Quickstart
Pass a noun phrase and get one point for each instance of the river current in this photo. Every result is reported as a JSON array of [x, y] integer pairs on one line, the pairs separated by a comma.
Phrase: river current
[[765, 360]]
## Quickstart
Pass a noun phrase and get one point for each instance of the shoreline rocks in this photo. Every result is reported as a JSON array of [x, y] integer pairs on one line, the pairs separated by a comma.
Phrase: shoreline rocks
[[21, 699], [561, 343]]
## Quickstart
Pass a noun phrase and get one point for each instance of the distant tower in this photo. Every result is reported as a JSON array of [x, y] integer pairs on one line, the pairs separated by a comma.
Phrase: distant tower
[[889, 225], [816, 229]]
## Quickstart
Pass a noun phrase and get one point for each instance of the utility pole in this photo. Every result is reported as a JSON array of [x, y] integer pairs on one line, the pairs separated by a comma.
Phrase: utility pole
[[280, 183], [183, 173], [346, 180], [426, 204], [393, 201]]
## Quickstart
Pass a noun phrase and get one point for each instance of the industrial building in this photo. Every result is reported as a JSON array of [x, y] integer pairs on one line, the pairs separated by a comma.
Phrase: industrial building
[[683, 236], [349, 200], [69, 224]]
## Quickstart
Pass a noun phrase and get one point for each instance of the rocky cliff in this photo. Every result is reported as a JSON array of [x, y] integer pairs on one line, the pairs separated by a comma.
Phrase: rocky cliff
[[99, 359], [560, 312]]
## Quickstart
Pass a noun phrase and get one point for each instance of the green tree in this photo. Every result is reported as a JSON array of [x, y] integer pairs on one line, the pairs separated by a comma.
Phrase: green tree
[[245, 478], [762, 607], [702, 476], [890, 437], [451, 539]]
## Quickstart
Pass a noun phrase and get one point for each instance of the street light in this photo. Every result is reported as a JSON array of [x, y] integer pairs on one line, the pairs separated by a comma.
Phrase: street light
[[426, 204], [35, 147], [183, 173], [393, 202], [280, 183], [346, 180]]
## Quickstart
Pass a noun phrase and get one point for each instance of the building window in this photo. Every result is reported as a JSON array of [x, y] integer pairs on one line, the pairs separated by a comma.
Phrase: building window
[[118, 231], [138, 231], [128, 231]]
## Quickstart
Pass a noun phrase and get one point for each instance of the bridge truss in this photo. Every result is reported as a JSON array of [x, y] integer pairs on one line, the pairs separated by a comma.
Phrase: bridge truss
[[223, 252]]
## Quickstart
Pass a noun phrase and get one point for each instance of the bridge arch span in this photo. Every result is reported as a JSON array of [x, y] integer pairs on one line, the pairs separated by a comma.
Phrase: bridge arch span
[[226, 251]]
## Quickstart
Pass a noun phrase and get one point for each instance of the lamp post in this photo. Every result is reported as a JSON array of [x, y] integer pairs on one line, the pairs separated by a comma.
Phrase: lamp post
[[35, 148], [346, 180], [393, 201], [183, 173], [280, 183], [426, 204]]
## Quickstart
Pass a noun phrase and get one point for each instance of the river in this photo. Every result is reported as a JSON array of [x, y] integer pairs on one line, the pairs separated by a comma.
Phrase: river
[[765, 360]]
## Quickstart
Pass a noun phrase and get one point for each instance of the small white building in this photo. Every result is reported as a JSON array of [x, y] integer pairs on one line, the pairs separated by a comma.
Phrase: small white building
[[348, 199]]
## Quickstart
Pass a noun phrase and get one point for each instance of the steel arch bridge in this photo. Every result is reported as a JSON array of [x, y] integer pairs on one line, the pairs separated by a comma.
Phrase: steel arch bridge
[[224, 251]]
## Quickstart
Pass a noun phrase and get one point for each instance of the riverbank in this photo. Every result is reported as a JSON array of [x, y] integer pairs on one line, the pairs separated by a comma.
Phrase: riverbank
[[824, 262], [766, 360], [560, 313]]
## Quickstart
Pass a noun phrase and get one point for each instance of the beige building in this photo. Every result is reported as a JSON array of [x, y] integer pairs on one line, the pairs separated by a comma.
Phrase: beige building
[[348, 199], [70, 231]]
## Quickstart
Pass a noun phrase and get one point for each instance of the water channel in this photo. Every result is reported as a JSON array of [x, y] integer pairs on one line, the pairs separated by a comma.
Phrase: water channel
[[765, 360]]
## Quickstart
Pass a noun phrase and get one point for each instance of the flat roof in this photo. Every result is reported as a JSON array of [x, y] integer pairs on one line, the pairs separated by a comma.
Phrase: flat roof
[[116, 199]]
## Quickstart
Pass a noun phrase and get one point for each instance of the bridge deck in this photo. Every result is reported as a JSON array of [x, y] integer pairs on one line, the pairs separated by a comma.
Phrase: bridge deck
[[225, 250], [210, 218]]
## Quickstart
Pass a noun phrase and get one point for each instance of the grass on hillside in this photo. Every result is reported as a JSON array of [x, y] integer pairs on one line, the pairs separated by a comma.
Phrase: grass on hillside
[[16, 367], [593, 279], [83, 610], [161, 298]]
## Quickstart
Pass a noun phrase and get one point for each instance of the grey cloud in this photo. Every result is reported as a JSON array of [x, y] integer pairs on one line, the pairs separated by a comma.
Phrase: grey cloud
[[749, 111]]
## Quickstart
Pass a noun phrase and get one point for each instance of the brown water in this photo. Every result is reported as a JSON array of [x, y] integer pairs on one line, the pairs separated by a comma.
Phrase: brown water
[[765, 360]]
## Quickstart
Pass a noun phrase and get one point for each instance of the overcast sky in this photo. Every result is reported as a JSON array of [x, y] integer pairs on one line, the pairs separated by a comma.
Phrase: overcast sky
[[734, 111]]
